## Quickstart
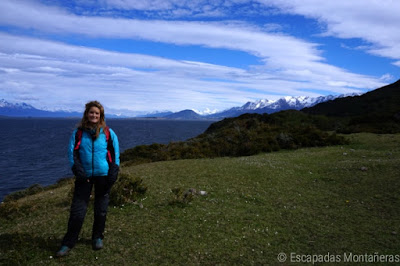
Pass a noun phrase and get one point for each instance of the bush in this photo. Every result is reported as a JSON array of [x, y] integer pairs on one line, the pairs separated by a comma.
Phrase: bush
[[181, 196], [127, 189], [245, 135], [23, 193]]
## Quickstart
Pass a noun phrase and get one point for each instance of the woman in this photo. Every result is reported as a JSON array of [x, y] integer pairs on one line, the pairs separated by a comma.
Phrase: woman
[[90, 147]]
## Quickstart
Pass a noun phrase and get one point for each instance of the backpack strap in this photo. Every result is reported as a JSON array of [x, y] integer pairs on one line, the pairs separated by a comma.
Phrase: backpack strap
[[78, 138], [110, 146], [107, 133]]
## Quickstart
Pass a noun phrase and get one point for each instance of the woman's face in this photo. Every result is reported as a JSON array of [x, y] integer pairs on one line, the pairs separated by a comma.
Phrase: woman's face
[[94, 115]]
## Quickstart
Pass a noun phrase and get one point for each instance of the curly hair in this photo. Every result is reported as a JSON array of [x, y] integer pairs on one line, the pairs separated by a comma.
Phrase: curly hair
[[85, 121]]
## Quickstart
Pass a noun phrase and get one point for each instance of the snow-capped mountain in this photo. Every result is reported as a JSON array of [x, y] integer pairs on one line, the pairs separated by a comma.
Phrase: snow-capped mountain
[[206, 111], [16, 109], [284, 103], [5, 104], [26, 110]]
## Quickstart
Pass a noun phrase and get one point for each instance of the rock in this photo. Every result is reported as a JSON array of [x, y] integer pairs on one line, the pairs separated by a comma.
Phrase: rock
[[138, 204], [363, 168], [202, 193]]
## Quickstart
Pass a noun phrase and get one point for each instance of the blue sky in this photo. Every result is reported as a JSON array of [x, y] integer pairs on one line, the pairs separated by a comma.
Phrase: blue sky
[[145, 56]]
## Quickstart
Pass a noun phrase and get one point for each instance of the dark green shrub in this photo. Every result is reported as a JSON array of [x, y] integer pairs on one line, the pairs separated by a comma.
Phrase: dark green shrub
[[153, 152], [245, 135], [23, 193], [181, 196], [127, 189]]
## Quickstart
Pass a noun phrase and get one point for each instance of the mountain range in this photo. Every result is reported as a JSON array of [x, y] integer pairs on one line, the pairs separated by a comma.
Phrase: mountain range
[[273, 106], [260, 106], [26, 110]]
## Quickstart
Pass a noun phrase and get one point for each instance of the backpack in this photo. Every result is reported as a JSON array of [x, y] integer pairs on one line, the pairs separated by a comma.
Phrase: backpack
[[110, 146]]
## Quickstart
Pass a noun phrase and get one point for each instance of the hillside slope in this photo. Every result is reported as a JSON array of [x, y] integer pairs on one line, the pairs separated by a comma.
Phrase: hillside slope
[[376, 111], [247, 134], [325, 200], [385, 100]]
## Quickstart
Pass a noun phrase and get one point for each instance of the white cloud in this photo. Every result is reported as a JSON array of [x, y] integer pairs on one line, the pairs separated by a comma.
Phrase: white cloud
[[376, 22], [386, 78], [57, 71], [64, 73]]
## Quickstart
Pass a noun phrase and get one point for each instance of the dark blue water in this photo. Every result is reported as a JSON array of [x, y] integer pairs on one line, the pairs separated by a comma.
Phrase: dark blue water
[[34, 150]]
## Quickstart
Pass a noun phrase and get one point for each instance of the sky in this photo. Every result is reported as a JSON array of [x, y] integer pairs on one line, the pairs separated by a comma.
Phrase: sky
[[141, 56]]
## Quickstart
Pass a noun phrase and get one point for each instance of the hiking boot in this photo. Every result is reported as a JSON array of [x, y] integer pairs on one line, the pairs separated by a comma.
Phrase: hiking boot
[[64, 250], [97, 243]]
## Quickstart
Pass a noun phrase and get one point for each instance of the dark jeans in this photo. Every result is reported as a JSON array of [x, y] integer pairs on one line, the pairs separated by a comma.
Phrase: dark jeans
[[79, 206]]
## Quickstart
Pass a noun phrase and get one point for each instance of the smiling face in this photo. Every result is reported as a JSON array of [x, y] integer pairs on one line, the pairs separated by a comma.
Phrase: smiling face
[[94, 115]]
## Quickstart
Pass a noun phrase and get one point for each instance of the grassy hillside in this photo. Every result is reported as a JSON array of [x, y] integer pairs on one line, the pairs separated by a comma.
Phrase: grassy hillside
[[320, 200], [382, 100], [377, 111], [245, 135]]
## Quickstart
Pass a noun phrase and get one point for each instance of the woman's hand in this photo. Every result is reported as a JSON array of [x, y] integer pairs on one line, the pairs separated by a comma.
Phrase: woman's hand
[[112, 173], [79, 173]]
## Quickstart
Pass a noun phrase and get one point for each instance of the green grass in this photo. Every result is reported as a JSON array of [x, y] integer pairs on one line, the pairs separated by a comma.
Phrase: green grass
[[307, 201]]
